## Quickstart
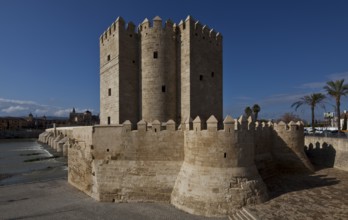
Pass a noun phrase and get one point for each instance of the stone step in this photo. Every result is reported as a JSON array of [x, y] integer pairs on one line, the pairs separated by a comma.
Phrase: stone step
[[243, 214], [249, 214]]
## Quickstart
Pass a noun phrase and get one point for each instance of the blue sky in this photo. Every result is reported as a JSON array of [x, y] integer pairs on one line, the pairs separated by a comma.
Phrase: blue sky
[[274, 52]]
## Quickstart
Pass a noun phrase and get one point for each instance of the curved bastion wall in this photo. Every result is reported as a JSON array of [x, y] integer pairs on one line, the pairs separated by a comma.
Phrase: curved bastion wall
[[197, 167], [218, 174]]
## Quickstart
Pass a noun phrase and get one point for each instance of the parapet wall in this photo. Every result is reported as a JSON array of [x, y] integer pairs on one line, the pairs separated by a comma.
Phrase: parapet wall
[[327, 151], [197, 166], [218, 175]]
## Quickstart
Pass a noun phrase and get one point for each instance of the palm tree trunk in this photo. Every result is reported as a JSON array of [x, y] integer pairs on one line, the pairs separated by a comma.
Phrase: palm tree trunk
[[338, 115], [312, 110]]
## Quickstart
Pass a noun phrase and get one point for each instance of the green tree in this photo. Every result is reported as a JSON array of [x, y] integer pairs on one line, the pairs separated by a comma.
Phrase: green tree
[[248, 111], [289, 116], [312, 101], [336, 89], [256, 110]]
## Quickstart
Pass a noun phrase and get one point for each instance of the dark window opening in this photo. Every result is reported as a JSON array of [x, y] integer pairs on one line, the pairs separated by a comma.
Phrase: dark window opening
[[203, 38], [200, 77], [92, 147], [163, 88], [108, 57], [212, 74], [133, 61], [107, 150], [155, 55], [130, 35], [109, 92], [113, 200], [225, 155], [196, 34], [155, 130], [109, 120]]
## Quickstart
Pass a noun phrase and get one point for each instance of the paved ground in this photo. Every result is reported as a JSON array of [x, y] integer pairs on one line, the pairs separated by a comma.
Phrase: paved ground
[[323, 195], [56, 199]]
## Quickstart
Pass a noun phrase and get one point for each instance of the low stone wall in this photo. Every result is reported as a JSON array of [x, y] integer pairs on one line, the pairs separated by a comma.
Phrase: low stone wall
[[327, 151], [199, 168]]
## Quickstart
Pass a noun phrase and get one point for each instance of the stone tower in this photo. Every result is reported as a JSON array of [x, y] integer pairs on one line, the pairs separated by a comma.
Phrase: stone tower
[[160, 72]]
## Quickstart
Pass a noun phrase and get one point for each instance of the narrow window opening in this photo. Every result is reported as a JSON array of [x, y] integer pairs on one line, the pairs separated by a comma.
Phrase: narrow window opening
[[155, 130], [212, 74], [155, 55], [225, 155], [107, 150], [113, 200], [92, 147], [109, 91], [109, 120], [133, 61], [163, 88], [108, 57], [203, 38], [200, 77], [229, 130], [130, 35]]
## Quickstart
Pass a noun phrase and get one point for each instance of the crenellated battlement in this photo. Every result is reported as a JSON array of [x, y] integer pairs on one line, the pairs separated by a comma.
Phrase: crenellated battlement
[[229, 125], [199, 30], [118, 24], [157, 25]]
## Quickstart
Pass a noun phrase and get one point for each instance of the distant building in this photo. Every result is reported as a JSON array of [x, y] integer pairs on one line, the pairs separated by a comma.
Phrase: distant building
[[83, 118]]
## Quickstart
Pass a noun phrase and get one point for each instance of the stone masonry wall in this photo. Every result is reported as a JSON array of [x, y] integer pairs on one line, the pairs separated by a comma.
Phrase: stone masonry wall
[[218, 175], [327, 151], [200, 168], [139, 165]]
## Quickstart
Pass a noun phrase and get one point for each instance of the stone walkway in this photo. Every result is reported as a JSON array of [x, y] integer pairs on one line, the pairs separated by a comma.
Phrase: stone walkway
[[56, 199], [323, 195]]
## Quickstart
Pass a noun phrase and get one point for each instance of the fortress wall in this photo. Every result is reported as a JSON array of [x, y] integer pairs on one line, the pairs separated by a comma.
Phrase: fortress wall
[[288, 148], [128, 73], [184, 68], [264, 159], [327, 151], [80, 159], [158, 70], [139, 165], [205, 72], [109, 73], [218, 175]]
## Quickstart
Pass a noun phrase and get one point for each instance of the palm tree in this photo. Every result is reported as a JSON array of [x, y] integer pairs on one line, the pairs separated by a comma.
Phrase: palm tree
[[312, 100], [256, 110], [336, 89], [248, 111]]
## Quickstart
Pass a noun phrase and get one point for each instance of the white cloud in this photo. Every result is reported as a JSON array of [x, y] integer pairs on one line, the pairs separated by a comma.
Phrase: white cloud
[[283, 98], [62, 112], [13, 109], [312, 85], [338, 76], [20, 102]]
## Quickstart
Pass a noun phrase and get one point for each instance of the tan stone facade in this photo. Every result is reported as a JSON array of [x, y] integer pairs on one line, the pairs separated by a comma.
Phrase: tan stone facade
[[151, 81], [201, 169], [160, 71]]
